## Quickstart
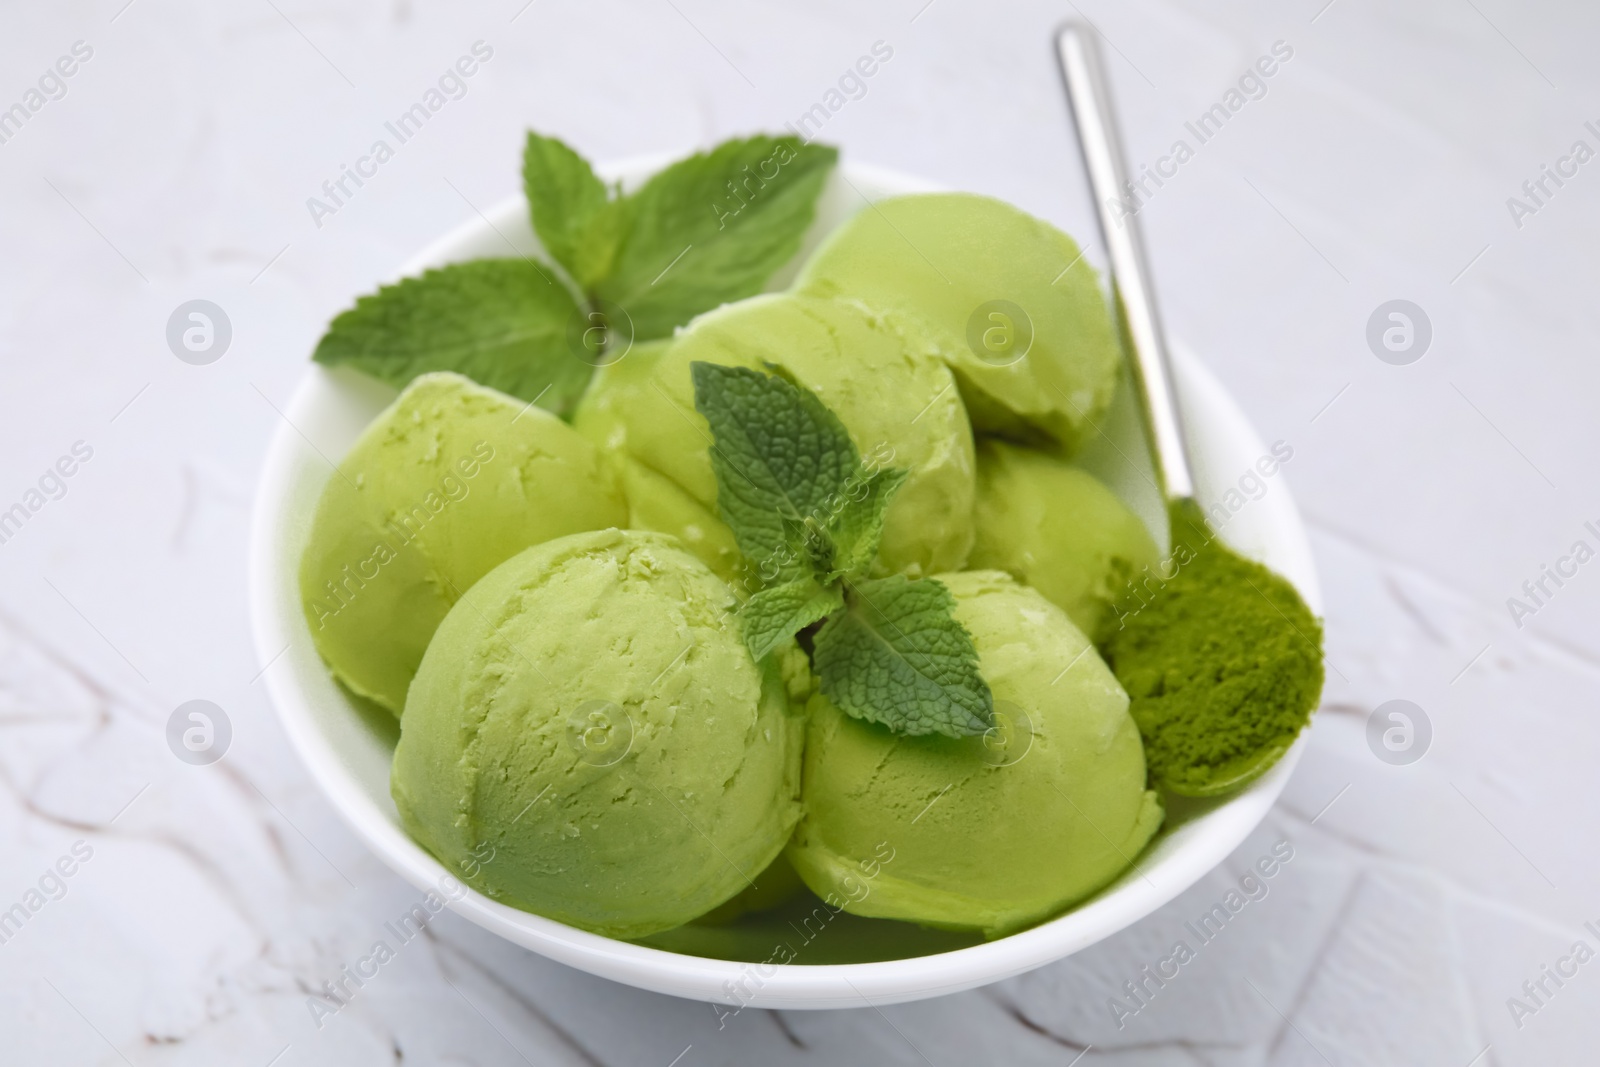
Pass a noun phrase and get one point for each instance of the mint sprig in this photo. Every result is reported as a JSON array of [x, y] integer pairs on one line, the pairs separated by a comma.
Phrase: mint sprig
[[704, 231], [808, 516]]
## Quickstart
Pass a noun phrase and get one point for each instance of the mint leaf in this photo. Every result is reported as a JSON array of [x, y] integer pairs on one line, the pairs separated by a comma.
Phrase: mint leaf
[[897, 656], [779, 456], [713, 228], [501, 322], [580, 222], [774, 615], [857, 527]]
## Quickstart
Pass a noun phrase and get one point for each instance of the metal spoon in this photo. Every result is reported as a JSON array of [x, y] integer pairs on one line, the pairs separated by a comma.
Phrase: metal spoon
[[1223, 665]]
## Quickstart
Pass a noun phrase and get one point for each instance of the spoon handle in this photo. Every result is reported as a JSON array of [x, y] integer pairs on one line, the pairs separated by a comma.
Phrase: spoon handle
[[1089, 96]]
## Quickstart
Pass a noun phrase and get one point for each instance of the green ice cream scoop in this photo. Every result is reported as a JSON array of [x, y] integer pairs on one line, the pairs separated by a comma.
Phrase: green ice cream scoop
[[1057, 528], [588, 739], [1019, 313], [449, 481], [655, 502], [989, 833], [878, 372]]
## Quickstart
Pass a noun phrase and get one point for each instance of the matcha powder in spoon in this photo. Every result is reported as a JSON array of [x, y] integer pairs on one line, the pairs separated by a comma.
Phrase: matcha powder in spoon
[[1222, 662]]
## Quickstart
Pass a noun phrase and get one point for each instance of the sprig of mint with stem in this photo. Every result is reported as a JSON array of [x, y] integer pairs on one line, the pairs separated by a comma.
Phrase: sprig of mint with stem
[[626, 267], [808, 517]]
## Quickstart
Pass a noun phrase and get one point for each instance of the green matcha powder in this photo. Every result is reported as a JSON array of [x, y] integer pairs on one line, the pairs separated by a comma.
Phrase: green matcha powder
[[1222, 662]]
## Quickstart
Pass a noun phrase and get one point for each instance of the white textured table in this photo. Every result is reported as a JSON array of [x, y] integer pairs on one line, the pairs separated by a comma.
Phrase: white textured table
[[205, 903]]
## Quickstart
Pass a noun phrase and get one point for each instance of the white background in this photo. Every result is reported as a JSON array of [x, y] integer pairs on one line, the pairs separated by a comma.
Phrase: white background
[[1377, 166]]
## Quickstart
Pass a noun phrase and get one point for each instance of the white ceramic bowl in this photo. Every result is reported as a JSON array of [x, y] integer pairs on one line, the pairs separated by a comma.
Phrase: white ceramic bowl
[[348, 750]]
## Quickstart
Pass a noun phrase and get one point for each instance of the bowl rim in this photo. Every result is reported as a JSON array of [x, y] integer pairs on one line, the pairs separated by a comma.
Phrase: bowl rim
[[733, 983]]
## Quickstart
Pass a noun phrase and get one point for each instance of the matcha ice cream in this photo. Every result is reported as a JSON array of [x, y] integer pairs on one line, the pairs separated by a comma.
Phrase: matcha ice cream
[[1019, 313], [773, 887], [1057, 528], [877, 372], [449, 481], [990, 833], [588, 739], [654, 501]]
